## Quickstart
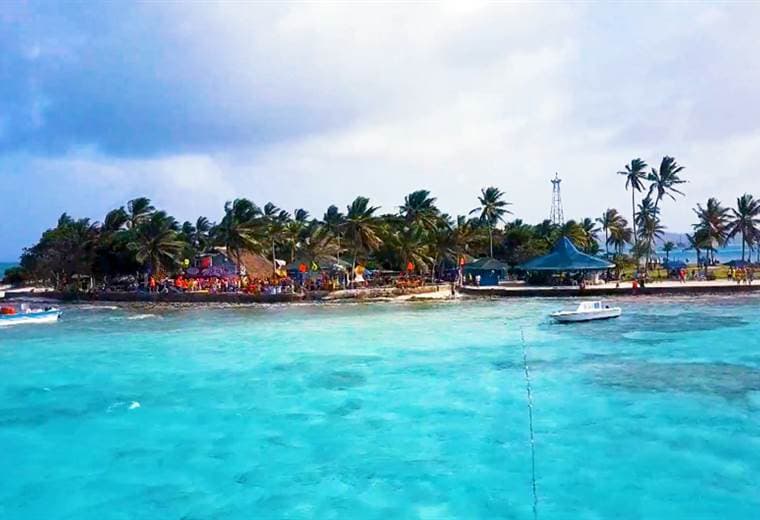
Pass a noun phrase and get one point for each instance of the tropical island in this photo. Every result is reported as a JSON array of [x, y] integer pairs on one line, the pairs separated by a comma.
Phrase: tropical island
[[265, 250]]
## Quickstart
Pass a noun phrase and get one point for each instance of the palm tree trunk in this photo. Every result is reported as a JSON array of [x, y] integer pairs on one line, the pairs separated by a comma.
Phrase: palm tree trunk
[[606, 243], [633, 210], [743, 244], [274, 260], [490, 237], [650, 239], [353, 267]]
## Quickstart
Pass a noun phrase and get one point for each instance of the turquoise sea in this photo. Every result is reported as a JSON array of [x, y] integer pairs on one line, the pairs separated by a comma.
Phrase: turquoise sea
[[723, 254], [383, 410]]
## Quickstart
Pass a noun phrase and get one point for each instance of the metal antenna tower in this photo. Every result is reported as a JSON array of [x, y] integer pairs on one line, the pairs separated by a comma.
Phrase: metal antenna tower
[[556, 215]]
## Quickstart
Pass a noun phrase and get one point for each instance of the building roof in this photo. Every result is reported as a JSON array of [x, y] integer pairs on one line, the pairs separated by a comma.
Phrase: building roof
[[256, 266], [486, 264], [564, 256]]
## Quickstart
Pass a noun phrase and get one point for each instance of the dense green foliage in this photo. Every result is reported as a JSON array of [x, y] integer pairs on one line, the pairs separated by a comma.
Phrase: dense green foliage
[[139, 238]]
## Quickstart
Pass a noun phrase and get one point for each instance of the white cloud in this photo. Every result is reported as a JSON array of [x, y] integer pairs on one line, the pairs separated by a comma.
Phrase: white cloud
[[453, 97]]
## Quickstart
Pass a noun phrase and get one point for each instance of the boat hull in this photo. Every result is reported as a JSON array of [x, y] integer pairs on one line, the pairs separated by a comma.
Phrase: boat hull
[[50, 316], [575, 317]]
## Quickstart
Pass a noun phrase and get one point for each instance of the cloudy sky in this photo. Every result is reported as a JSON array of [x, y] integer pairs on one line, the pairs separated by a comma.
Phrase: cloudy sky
[[308, 105]]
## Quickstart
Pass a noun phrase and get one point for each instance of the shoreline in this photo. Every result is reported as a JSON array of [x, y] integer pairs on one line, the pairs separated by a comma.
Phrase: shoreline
[[667, 287], [375, 294], [425, 293]]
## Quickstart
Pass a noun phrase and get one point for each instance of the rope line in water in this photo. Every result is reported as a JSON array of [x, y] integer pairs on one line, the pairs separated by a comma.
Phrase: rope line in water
[[530, 423]]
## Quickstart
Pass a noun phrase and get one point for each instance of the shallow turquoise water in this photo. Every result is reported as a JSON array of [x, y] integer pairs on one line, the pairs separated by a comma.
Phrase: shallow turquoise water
[[383, 411]]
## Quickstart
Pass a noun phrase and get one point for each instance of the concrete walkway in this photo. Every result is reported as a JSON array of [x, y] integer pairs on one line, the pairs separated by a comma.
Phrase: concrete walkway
[[519, 289]]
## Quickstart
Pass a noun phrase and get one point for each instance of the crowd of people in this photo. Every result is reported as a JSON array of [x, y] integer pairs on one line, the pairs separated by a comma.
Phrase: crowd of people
[[272, 285], [742, 274], [217, 285]]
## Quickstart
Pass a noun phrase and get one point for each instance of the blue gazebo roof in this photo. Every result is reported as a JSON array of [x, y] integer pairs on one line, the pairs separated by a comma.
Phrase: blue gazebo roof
[[564, 256]]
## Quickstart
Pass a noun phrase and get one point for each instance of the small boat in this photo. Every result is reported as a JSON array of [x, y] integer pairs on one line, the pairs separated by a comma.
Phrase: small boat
[[587, 311], [12, 316]]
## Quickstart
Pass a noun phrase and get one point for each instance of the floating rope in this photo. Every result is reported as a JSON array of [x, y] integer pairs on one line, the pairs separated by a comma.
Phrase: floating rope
[[530, 424]]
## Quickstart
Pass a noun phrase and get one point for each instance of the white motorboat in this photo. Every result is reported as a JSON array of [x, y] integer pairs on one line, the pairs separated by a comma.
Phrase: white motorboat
[[24, 315], [587, 311]]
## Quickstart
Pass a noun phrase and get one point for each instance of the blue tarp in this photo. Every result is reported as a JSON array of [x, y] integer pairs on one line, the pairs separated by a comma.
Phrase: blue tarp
[[485, 264], [490, 270], [674, 265], [564, 257]]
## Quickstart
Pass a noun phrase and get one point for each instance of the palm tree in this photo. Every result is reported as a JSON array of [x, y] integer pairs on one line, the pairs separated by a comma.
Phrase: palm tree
[[239, 230], [274, 222], [668, 247], [620, 236], [361, 228], [634, 179], [591, 233], [200, 237], [411, 245], [713, 220], [650, 228], [156, 244], [320, 243], [693, 243], [547, 232], [139, 210], [334, 221], [648, 214], [115, 220], [294, 231], [664, 181], [463, 234], [492, 210], [443, 244], [745, 221], [419, 210], [610, 220], [575, 233]]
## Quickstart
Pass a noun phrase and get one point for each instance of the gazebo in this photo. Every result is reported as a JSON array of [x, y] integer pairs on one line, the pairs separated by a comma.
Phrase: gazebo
[[490, 270], [565, 258]]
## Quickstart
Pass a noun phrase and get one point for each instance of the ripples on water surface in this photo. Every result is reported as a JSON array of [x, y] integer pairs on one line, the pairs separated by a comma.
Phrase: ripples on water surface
[[383, 410]]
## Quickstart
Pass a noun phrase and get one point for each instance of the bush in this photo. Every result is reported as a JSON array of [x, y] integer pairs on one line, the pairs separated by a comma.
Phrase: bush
[[15, 276]]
